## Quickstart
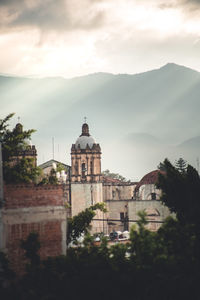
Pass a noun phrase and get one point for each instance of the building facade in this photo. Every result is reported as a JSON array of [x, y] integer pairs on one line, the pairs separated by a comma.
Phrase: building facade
[[123, 199], [86, 178]]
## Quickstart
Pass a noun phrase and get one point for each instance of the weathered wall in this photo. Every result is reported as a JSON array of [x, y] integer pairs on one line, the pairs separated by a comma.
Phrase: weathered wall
[[83, 195], [87, 156], [17, 196], [146, 190], [30, 208], [155, 210], [115, 207], [116, 196], [115, 191]]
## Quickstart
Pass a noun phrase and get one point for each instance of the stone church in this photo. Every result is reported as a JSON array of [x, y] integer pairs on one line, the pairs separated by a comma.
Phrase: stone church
[[123, 199]]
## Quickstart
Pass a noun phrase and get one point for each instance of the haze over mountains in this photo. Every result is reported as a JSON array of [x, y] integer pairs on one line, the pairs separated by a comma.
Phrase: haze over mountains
[[137, 119]]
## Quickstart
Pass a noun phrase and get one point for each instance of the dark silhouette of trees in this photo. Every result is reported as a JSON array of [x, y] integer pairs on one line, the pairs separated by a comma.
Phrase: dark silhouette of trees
[[181, 193], [181, 165]]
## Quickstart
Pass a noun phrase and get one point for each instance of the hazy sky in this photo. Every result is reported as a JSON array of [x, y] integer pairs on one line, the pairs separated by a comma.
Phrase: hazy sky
[[77, 37]]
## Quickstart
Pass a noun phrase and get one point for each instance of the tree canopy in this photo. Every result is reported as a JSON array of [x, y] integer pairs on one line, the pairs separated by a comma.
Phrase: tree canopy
[[181, 192], [117, 176], [80, 224], [14, 142]]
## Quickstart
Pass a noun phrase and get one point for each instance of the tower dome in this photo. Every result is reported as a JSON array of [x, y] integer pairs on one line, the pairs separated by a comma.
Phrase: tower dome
[[85, 139], [86, 158]]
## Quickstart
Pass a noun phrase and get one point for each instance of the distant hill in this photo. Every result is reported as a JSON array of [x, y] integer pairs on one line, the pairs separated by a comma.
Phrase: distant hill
[[191, 143], [163, 103]]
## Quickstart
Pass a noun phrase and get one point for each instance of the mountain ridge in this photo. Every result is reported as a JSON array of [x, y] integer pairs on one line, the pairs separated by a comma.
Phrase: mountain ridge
[[169, 65], [163, 103]]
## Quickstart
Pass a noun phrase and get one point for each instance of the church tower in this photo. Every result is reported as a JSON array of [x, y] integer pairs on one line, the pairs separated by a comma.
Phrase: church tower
[[27, 150], [86, 179], [85, 158]]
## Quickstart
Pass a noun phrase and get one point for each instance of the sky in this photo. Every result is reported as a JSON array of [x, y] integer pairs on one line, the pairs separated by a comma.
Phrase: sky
[[68, 38]]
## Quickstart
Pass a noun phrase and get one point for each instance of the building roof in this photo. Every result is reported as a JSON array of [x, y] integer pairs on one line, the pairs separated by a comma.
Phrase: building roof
[[111, 180], [150, 178], [50, 162], [107, 179]]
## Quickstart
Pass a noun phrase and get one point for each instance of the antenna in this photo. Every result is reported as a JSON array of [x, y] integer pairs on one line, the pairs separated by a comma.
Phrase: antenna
[[198, 164], [53, 146], [58, 152], [85, 119]]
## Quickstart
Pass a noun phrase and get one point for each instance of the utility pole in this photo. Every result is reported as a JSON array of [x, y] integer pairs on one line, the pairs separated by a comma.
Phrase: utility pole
[[198, 165], [1, 200], [53, 147], [1, 177]]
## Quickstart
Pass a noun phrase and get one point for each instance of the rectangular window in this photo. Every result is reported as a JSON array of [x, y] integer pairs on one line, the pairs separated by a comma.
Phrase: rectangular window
[[121, 216]]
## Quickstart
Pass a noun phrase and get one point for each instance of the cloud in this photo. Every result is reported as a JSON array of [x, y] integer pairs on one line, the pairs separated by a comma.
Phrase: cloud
[[186, 5], [50, 15]]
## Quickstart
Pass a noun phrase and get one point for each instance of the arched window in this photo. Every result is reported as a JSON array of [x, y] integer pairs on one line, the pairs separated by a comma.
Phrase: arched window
[[91, 167], [76, 168], [83, 168]]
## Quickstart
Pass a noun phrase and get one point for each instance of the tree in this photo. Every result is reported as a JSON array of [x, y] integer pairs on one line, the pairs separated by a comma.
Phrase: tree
[[117, 176], [181, 192], [14, 142], [161, 166], [80, 224], [181, 165]]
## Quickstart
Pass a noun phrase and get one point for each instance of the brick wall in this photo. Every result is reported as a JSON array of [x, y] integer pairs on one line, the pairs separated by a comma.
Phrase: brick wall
[[17, 196], [30, 208]]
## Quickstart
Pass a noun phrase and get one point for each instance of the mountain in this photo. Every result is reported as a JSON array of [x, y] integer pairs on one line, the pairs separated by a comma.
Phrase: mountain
[[191, 143], [163, 103]]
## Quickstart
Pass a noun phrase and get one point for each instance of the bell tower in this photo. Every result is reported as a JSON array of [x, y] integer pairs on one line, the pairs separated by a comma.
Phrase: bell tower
[[86, 179], [85, 158]]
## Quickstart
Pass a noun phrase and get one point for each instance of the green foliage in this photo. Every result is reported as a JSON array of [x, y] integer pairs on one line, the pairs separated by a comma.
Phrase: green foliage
[[13, 142], [180, 192], [61, 167], [80, 224], [161, 166], [52, 179], [117, 176], [152, 265], [23, 171], [49, 179], [5, 272], [181, 165], [143, 243]]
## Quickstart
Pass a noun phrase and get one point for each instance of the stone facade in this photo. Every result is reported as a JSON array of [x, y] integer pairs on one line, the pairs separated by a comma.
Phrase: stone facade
[[86, 179], [147, 198], [123, 200], [85, 158], [84, 195], [117, 196], [155, 210]]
